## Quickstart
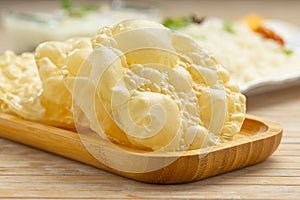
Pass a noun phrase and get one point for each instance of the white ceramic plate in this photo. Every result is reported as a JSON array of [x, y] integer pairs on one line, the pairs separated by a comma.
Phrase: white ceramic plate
[[291, 35], [266, 85]]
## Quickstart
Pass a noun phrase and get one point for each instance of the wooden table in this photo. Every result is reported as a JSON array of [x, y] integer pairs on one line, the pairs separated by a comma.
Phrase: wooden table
[[32, 174]]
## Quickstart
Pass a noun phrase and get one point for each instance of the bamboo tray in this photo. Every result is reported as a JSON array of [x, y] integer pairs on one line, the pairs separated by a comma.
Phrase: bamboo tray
[[257, 140]]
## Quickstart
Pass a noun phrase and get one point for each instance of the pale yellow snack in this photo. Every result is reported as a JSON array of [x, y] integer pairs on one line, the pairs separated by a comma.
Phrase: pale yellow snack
[[147, 87], [32, 85], [20, 86], [137, 84], [53, 60]]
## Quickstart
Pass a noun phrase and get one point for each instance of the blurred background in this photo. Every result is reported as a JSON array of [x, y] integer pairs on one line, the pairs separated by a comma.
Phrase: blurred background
[[229, 9], [287, 10]]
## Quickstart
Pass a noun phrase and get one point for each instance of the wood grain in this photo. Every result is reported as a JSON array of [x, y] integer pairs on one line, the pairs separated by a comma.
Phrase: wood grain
[[257, 140]]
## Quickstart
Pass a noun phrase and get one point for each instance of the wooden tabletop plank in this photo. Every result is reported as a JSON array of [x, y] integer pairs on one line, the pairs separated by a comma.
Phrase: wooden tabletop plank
[[162, 192]]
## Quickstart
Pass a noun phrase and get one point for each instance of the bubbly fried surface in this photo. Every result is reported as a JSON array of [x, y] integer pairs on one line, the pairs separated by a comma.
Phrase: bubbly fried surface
[[155, 89]]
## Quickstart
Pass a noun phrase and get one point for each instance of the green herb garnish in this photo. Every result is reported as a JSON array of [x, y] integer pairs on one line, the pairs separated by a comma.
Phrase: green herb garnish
[[227, 26], [288, 51], [89, 8], [80, 11], [177, 23], [67, 5]]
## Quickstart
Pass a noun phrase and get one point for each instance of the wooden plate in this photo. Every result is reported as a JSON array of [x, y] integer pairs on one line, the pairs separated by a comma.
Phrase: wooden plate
[[257, 140]]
